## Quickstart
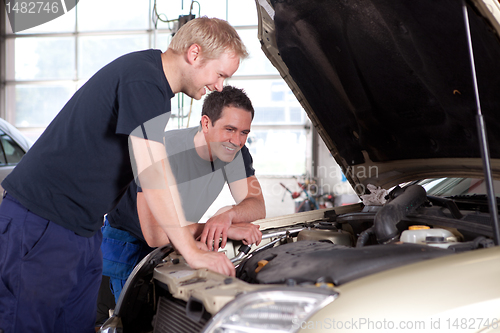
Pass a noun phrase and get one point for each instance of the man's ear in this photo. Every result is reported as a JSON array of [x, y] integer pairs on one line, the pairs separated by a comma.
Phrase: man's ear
[[205, 123], [194, 54]]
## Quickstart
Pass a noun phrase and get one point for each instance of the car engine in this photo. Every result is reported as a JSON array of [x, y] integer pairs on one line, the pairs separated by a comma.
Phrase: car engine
[[340, 246]]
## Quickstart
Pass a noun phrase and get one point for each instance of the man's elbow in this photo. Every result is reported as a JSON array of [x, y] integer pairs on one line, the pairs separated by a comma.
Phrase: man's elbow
[[156, 242], [262, 210]]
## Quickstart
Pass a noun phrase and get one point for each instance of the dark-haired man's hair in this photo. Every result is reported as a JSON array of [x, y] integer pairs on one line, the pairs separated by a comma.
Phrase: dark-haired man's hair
[[229, 97]]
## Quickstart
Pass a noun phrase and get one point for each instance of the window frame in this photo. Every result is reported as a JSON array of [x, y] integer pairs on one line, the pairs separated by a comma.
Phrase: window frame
[[7, 53]]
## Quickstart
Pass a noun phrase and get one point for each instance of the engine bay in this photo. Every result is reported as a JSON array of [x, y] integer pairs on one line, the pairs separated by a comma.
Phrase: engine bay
[[338, 248], [409, 228], [319, 249]]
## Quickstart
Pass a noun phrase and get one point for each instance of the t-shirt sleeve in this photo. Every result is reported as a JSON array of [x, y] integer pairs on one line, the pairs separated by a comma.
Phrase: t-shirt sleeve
[[241, 167], [248, 160], [143, 110]]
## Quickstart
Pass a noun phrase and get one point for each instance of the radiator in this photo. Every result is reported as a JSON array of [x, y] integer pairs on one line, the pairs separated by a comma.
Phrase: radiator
[[171, 318]]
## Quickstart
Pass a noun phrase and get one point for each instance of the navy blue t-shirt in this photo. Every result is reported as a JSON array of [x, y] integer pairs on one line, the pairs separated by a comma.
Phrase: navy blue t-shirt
[[79, 168], [199, 182]]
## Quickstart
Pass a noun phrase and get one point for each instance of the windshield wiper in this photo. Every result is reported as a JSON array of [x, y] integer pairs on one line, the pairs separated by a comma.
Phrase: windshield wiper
[[448, 203], [475, 197]]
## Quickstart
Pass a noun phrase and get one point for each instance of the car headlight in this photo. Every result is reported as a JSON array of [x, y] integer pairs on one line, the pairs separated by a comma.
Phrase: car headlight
[[274, 310]]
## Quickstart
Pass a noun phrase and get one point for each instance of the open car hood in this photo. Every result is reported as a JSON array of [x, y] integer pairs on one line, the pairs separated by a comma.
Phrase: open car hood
[[388, 84]]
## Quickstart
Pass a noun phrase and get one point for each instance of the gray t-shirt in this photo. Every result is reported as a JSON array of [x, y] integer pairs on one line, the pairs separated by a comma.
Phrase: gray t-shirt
[[199, 182]]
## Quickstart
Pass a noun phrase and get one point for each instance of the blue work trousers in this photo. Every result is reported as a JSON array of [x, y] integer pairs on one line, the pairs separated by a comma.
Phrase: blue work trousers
[[121, 253], [49, 276]]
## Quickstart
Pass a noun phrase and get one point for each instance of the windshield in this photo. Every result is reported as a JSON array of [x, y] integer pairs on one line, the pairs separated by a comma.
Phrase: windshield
[[448, 187]]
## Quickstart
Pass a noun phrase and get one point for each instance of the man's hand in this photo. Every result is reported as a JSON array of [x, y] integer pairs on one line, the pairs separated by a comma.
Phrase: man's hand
[[201, 246], [214, 261], [216, 227], [247, 232]]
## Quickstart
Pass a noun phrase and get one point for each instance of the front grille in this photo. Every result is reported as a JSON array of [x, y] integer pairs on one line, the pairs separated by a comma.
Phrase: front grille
[[171, 318]]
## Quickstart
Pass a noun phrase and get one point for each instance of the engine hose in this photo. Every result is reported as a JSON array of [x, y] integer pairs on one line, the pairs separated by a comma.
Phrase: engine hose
[[393, 212], [364, 237]]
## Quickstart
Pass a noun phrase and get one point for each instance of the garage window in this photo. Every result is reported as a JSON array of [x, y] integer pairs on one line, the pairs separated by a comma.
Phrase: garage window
[[45, 65]]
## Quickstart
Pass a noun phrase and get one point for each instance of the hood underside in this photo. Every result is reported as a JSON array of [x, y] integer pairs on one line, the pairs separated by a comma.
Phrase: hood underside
[[388, 84]]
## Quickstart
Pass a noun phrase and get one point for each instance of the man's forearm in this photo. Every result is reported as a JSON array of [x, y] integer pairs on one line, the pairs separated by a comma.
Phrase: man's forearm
[[166, 217], [163, 202], [248, 194], [156, 177], [248, 210], [195, 229]]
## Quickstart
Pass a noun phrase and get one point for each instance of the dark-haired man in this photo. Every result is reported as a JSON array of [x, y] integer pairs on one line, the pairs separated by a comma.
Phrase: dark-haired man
[[200, 160]]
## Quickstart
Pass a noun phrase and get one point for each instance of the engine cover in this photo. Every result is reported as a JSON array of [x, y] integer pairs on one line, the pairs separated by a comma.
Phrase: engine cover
[[312, 261]]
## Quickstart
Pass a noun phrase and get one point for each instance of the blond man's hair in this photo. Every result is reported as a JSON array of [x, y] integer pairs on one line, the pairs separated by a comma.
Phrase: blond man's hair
[[213, 35]]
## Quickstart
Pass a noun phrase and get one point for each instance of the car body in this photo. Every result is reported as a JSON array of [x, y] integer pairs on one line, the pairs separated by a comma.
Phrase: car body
[[13, 146], [390, 88]]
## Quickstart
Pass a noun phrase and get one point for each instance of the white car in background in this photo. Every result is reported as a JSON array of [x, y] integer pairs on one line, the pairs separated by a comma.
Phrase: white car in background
[[13, 146]]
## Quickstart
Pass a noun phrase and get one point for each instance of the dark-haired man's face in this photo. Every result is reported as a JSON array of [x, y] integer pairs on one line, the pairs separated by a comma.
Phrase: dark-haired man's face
[[229, 133]]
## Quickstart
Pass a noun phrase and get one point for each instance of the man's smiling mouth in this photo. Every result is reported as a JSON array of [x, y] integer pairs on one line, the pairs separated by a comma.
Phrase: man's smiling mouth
[[231, 149]]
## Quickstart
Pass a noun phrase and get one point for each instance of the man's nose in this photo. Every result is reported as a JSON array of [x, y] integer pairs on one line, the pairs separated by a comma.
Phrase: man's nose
[[235, 139], [219, 84]]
